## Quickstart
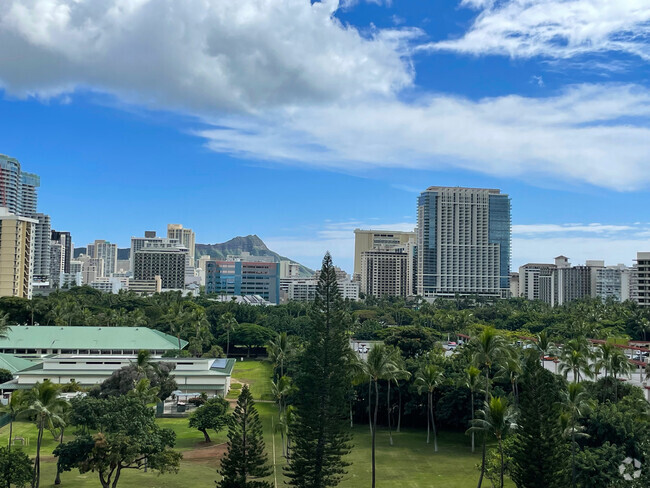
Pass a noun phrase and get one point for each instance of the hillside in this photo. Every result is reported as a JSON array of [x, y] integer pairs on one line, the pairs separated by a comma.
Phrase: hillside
[[235, 246], [251, 243]]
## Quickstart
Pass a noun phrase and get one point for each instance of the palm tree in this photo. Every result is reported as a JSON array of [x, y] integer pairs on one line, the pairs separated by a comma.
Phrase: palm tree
[[496, 418], [576, 403], [400, 373], [228, 322], [510, 370], [575, 359], [427, 379], [279, 350], [544, 346], [472, 381], [4, 325], [13, 409], [43, 403], [620, 366], [379, 365], [605, 352]]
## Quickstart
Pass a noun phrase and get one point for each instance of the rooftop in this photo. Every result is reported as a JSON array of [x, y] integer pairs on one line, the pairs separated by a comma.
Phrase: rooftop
[[13, 363], [75, 337]]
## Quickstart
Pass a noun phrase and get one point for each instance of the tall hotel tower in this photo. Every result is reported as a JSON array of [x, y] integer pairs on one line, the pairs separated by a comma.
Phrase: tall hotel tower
[[463, 242]]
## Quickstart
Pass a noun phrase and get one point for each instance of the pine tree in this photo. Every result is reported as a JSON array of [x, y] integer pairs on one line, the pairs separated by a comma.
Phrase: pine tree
[[539, 453], [245, 457], [320, 433]]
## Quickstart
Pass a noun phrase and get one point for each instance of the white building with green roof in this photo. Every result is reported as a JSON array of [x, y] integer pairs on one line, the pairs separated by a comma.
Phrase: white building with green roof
[[24, 340], [193, 375]]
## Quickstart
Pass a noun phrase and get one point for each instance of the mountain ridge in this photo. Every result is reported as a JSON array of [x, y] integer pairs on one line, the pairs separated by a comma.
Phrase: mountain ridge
[[220, 250]]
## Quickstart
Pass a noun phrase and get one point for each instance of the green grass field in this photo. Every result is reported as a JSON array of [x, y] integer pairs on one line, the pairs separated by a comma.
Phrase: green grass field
[[257, 374], [410, 462]]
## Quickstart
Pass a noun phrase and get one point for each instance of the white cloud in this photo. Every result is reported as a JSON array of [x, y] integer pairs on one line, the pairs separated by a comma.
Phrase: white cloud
[[554, 28], [596, 134], [532, 229], [197, 55]]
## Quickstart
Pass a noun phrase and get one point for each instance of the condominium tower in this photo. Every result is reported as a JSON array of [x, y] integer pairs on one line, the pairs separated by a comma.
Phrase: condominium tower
[[366, 240], [463, 242], [107, 251], [184, 236], [16, 254], [18, 190]]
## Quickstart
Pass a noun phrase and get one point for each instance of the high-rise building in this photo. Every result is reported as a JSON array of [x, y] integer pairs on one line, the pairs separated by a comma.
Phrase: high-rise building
[[289, 269], [184, 236], [529, 275], [166, 262], [18, 190], [243, 278], [613, 282], [42, 241], [641, 289], [149, 239], [64, 239], [107, 251], [365, 240], [564, 283], [384, 272], [16, 254], [463, 242]]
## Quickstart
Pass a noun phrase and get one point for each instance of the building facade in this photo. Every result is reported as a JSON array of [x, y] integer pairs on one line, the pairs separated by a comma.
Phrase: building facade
[[18, 190], [463, 242], [243, 278], [384, 272], [101, 249], [613, 283], [185, 237], [529, 276], [641, 290], [42, 240], [16, 254], [166, 262], [366, 240]]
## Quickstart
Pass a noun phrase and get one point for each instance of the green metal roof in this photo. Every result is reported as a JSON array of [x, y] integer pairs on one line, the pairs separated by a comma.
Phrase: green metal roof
[[119, 338], [12, 363]]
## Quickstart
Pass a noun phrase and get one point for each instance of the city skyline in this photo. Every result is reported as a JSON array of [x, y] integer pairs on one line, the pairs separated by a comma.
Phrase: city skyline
[[302, 161]]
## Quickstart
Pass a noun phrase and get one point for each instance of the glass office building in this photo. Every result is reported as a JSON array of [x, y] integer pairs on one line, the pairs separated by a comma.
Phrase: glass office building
[[463, 242]]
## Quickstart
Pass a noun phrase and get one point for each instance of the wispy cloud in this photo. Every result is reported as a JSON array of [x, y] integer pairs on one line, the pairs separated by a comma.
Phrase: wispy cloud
[[554, 28], [536, 229]]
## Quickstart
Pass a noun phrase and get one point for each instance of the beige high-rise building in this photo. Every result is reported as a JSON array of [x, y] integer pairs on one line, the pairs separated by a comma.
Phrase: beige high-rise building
[[185, 237], [366, 240], [16, 254], [385, 272]]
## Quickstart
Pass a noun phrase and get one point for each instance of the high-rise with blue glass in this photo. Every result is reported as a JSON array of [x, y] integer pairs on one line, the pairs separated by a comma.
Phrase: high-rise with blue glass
[[463, 242]]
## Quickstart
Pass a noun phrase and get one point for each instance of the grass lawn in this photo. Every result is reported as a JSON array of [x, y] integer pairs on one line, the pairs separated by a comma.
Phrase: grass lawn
[[409, 463], [257, 374]]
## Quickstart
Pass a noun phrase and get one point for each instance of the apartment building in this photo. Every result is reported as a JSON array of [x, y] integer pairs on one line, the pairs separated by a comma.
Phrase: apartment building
[[16, 254], [241, 278]]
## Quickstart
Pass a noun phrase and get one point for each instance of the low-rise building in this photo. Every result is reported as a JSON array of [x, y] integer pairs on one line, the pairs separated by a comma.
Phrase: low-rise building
[[27, 340], [192, 375]]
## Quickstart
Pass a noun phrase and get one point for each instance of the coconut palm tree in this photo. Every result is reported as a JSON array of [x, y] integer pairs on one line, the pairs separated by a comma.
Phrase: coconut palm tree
[[575, 359], [496, 418], [228, 322], [605, 352], [279, 350], [427, 379], [620, 366], [44, 404], [13, 408], [472, 381], [489, 347], [400, 373], [544, 346], [4, 325], [379, 365], [575, 403]]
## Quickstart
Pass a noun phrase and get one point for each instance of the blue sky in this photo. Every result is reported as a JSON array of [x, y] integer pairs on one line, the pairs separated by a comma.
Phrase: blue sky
[[300, 121]]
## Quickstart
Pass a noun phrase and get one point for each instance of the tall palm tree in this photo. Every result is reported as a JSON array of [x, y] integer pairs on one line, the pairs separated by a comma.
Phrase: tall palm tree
[[279, 350], [44, 404], [472, 381], [379, 365], [400, 373], [4, 325], [13, 408], [575, 359], [496, 418], [427, 379], [575, 402], [605, 352], [544, 346], [228, 322]]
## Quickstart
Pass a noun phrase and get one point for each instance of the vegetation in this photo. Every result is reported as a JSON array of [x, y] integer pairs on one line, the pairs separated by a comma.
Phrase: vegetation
[[15, 468], [245, 459], [210, 416]]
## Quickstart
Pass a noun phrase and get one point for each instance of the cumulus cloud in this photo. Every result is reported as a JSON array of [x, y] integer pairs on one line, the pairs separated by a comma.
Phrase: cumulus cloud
[[197, 55], [597, 134], [554, 28]]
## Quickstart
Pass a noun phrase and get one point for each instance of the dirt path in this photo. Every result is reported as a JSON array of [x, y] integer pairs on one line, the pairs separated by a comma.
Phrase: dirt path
[[212, 451]]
